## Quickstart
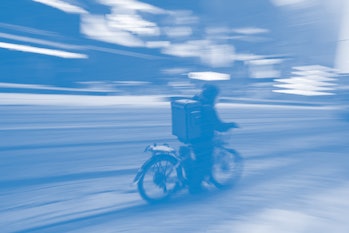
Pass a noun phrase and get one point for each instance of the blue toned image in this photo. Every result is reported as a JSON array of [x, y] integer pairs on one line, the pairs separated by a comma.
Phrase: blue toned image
[[203, 159], [207, 116]]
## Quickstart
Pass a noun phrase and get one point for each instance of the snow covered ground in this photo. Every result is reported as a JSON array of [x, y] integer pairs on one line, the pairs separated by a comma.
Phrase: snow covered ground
[[70, 169]]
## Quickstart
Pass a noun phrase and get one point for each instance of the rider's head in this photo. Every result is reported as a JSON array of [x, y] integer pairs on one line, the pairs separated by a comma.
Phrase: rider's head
[[210, 93]]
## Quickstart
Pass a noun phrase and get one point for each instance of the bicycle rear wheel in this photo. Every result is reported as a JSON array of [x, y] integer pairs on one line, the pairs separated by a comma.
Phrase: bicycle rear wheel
[[227, 167], [160, 179]]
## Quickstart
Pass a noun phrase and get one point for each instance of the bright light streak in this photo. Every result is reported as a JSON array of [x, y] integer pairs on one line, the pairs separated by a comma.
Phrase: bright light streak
[[265, 61], [314, 68], [303, 92], [302, 87], [133, 5], [45, 87], [80, 100], [39, 41], [251, 30], [307, 81], [97, 27], [291, 3], [133, 23], [209, 76], [209, 52], [314, 76], [44, 51], [64, 6], [312, 80]]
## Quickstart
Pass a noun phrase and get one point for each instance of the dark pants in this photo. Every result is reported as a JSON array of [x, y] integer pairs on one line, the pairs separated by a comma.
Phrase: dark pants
[[201, 166]]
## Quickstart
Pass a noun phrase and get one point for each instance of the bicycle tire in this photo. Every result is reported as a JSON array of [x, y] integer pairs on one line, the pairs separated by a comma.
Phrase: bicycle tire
[[162, 173], [227, 168]]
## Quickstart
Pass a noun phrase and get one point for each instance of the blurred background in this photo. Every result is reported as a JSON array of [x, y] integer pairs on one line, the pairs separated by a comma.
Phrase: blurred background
[[294, 50]]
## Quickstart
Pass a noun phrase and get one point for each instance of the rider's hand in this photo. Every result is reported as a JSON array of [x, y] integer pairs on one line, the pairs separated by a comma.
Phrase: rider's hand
[[233, 125]]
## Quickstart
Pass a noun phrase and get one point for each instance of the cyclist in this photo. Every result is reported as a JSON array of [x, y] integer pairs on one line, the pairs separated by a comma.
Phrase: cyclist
[[203, 146]]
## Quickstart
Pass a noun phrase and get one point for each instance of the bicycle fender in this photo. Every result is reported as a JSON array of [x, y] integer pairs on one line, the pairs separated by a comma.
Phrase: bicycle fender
[[140, 171], [138, 175]]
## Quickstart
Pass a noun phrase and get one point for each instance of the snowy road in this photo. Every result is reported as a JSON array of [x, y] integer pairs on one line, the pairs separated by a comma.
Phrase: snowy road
[[70, 169]]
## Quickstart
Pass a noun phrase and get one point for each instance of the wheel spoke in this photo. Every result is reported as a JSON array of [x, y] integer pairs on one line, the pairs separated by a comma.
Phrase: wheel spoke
[[227, 168], [159, 179]]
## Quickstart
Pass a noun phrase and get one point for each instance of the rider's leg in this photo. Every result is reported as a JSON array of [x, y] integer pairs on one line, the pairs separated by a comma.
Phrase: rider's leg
[[201, 166]]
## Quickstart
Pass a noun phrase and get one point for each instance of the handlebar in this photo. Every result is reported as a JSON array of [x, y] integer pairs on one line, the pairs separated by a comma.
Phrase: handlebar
[[233, 125]]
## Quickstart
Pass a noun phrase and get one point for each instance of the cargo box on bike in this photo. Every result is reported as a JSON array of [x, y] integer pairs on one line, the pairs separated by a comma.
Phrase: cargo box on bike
[[186, 119]]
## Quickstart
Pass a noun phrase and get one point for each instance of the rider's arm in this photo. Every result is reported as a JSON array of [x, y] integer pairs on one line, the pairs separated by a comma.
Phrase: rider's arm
[[225, 126], [216, 123]]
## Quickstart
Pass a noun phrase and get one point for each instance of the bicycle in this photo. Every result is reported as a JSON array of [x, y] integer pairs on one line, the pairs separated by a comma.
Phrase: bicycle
[[164, 173]]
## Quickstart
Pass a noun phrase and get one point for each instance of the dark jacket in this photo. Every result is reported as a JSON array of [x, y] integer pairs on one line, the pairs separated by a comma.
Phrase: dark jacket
[[209, 119]]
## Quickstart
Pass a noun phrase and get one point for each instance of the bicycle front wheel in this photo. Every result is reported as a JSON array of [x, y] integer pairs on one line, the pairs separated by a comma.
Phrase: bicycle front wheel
[[160, 179], [227, 167]]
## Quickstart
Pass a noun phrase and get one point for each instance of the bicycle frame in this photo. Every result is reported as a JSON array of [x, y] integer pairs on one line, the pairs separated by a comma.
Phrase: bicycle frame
[[166, 171], [165, 149]]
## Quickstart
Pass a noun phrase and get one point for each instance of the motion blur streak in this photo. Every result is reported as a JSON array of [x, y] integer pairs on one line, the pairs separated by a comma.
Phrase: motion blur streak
[[50, 52], [69, 169]]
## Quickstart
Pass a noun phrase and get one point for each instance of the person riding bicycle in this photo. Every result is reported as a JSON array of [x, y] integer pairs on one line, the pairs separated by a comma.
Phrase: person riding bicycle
[[203, 146]]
